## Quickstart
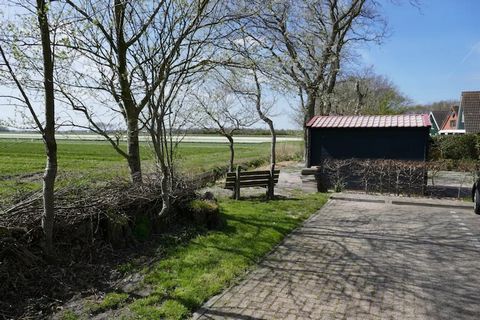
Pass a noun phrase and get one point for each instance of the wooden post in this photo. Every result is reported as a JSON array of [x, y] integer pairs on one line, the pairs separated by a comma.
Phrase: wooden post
[[236, 190]]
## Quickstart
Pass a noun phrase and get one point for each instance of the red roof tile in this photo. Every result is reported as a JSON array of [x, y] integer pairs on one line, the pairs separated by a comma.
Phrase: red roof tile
[[402, 121]]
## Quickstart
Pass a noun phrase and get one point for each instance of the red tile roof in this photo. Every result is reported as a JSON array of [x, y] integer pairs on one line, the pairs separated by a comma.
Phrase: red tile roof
[[395, 121]]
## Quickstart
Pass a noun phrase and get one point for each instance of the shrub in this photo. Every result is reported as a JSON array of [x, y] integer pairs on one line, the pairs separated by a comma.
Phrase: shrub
[[455, 147], [205, 212]]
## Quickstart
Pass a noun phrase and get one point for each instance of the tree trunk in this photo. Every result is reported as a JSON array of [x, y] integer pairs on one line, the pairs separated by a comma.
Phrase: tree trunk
[[273, 161], [332, 81], [48, 133], [232, 152], [306, 145], [166, 192], [309, 114], [160, 145], [134, 162], [49, 177], [269, 122], [131, 112], [360, 98]]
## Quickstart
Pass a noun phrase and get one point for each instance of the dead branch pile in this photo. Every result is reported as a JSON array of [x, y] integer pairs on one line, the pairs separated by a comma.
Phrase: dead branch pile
[[116, 201], [89, 223]]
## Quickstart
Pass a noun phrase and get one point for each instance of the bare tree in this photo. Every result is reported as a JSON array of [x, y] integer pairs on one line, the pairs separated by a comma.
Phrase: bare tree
[[263, 114], [255, 96], [219, 109], [246, 82], [108, 38], [10, 53], [306, 42], [135, 48], [183, 39], [368, 93]]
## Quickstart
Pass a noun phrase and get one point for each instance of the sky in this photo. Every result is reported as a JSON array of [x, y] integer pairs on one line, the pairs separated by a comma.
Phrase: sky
[[431, 54]]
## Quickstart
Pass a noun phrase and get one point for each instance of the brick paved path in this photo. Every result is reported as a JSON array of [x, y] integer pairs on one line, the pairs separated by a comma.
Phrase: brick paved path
[[360, 260]]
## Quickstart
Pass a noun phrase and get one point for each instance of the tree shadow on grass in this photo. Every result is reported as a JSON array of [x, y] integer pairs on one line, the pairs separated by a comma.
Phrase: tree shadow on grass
[[264, 223]]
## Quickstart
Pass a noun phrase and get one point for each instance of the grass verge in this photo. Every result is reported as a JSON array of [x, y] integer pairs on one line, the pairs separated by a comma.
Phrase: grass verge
[[111, 300], [192, 273]]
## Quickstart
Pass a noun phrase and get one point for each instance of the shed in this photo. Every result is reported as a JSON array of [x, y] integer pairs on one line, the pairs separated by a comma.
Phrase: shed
[[398, 137]]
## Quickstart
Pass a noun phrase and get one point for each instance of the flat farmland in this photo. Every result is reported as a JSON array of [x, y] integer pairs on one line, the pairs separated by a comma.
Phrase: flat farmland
[[22, 160], [211, 138]]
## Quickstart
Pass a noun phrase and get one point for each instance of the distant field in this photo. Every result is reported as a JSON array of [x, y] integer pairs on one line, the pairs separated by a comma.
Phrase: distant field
[[207, 138], [22, 161]]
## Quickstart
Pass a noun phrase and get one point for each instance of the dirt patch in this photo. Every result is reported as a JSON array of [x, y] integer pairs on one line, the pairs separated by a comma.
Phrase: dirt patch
[[28, 177]]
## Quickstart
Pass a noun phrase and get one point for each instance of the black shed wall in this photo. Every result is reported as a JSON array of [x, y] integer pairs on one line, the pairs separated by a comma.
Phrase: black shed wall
[[368, 143]]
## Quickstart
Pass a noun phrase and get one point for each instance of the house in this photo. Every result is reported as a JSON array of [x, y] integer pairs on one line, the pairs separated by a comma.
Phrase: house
[[461, 119], [470, 112], [452, 122], [437, 119], [399, 137]]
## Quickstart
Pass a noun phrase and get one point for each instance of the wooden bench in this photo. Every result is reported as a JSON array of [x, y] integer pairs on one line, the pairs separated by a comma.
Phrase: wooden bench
[[238, 179]]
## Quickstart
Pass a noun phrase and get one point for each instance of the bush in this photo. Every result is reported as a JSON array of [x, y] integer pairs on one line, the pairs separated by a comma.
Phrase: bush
[[455, 147], [205, 212]]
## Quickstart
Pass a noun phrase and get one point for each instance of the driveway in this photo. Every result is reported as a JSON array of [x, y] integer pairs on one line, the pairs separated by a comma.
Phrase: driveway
[[366, 260]]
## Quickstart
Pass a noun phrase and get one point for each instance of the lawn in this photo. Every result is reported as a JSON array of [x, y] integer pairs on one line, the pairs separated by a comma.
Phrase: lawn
[[91, 161], [192, 272]]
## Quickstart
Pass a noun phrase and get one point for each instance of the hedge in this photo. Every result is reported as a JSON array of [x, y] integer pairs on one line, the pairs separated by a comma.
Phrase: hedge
[[455, 147]]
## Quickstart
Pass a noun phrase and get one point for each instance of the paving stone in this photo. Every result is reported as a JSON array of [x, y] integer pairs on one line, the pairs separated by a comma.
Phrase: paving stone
[[362, 260]]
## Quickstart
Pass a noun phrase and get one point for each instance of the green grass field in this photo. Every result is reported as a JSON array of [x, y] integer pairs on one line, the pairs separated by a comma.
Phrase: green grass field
[[22, 161]]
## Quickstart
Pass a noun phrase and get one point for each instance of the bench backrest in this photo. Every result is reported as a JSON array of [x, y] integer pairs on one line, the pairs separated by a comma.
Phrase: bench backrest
[[251, 178]]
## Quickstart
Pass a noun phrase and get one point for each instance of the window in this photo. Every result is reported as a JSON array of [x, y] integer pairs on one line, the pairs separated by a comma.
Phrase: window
[[453, 123]]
